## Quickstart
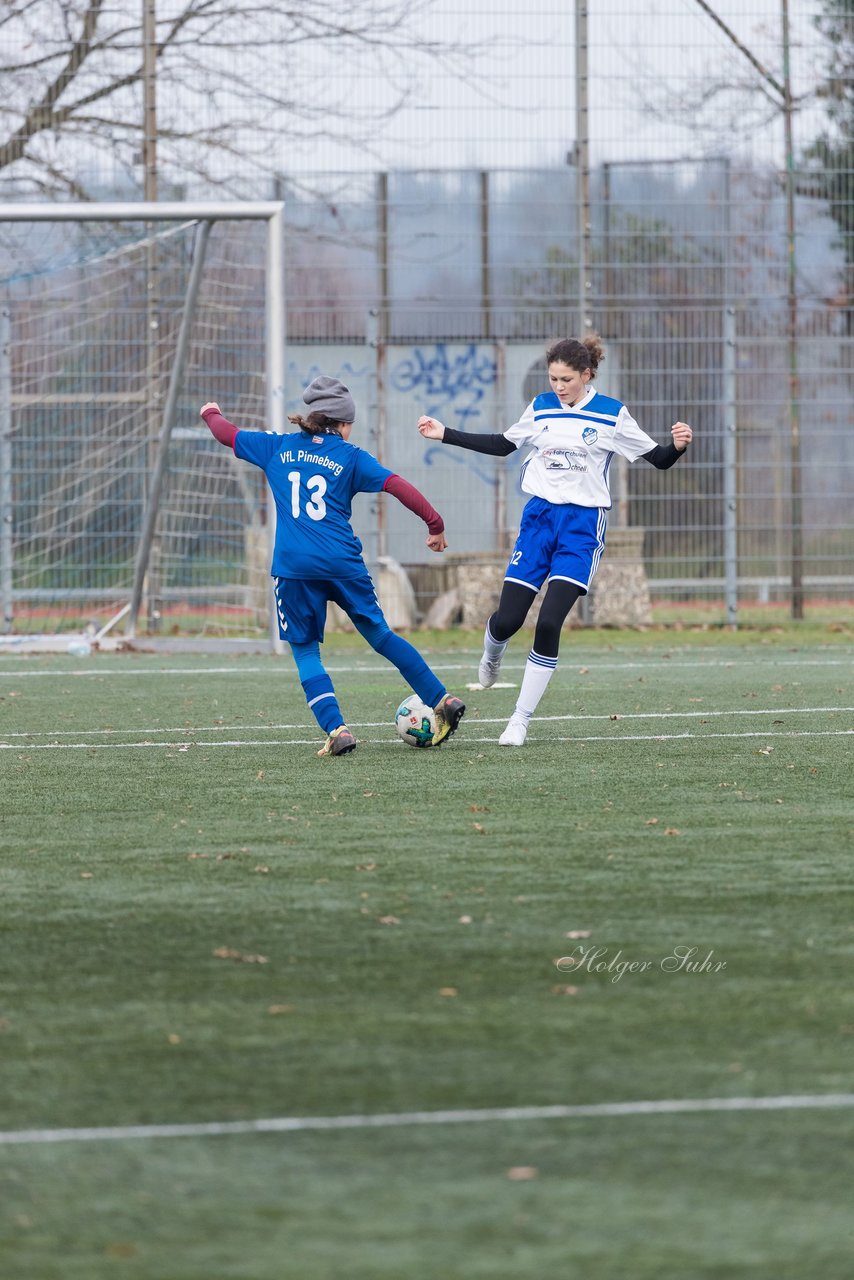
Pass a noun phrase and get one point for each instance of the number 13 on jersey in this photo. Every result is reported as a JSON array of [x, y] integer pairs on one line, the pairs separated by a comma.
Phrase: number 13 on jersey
[[315, 507]]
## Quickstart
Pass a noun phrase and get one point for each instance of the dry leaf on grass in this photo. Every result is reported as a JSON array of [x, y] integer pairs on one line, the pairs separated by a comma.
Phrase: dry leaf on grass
[[651, 822], [465, 920], [672, 831], [448, 991], [230, 953], [578, 933], [366, 866], [522, 1173], [479, 828], [387, 920], [564, 991], [280, 1008]]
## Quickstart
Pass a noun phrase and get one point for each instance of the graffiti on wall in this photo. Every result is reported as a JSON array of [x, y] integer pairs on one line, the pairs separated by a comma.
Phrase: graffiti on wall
[[447, 383]]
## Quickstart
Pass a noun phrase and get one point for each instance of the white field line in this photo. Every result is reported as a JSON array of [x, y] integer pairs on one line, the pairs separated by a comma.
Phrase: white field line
[[379, 724], [567, 665], [183, 745], [401, 1119]]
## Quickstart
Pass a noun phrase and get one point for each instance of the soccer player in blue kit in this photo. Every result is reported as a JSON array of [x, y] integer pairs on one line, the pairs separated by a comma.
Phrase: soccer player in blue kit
[[313, 474], [573, 433]]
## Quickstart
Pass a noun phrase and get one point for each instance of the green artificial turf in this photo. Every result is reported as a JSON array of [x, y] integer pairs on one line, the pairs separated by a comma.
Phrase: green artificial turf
[[212, 924]]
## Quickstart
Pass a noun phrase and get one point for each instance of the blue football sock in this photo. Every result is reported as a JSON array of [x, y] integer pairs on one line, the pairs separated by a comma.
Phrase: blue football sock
[[411, 666], [317, 686]]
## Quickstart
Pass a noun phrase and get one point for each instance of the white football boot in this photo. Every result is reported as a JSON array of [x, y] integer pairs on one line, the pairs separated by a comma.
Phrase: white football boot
[[488, 669], [515, 733]]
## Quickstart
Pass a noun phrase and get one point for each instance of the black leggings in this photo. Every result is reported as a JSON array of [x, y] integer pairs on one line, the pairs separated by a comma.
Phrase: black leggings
[[513, 608]]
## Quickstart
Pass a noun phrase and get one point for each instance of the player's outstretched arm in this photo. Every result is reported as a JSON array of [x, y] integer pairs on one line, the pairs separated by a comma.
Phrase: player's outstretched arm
[[664, 456], [414, 501], [480, 441], [220, 428]]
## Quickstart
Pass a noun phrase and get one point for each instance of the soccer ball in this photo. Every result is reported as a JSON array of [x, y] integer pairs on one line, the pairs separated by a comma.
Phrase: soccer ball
[[415, 722]]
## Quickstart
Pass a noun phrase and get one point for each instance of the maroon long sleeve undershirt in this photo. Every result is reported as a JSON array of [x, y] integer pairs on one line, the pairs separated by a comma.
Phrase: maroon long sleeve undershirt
[[415, 502], [226, 432], [220, 428]]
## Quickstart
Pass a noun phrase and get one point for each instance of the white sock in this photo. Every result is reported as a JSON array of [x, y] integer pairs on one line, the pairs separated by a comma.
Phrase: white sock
[[538, 673], [493, 648]]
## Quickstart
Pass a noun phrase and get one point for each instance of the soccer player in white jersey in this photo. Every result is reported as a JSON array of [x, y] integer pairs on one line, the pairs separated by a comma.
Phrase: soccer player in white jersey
[[573, 433]]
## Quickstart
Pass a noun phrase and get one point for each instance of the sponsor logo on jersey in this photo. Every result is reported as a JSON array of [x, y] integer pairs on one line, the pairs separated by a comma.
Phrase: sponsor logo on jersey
[[564, 460], [589, 435], [317, 439]]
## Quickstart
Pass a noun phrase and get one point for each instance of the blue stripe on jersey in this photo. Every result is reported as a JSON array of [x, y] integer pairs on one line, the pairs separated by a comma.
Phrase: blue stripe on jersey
[[606, 404], [583, 415]]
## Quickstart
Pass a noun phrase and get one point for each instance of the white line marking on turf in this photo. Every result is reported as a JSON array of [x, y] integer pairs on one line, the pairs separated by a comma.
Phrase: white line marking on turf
[[394, 1120], [567, 665], [379, 724], [184, 745]]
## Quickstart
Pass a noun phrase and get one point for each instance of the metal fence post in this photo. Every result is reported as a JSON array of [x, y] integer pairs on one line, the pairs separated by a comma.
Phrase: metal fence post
[[6, 549], [730, 476]]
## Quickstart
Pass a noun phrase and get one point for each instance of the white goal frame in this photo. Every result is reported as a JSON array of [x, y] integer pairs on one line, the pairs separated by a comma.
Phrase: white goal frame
[[205, 214]]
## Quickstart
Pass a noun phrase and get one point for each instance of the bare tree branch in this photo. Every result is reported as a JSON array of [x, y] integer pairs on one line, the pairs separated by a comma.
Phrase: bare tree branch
[[233, 79]]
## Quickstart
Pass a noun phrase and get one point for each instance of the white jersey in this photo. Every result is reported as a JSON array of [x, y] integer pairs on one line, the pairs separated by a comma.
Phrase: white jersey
[[572, 447]]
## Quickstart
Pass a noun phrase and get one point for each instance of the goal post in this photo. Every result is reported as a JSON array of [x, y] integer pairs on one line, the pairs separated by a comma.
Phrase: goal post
[[123, 330]]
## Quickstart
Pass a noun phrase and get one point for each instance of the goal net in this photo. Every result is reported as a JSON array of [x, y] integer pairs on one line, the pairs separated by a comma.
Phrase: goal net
[[118, 507]]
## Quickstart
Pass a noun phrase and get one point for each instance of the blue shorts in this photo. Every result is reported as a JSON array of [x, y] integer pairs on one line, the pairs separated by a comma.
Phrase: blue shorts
[[301, 605], [564, 542]]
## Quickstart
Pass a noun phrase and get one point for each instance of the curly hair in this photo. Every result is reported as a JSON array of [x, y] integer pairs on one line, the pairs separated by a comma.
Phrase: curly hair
[[587, 354]]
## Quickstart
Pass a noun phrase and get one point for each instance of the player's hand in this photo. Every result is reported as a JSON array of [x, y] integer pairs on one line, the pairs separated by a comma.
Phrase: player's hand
[[682, 435], [210, 405], [431, 428], [437, 542]]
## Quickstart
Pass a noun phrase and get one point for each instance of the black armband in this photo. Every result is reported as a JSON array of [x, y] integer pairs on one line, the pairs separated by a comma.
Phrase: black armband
[[663, 456], [480, 442]]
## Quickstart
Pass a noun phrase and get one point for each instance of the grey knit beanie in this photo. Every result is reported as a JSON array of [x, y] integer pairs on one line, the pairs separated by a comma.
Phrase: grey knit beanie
[[329, 396]]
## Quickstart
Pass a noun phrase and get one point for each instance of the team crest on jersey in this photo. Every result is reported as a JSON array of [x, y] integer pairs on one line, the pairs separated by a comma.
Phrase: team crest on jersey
[[589, 435]]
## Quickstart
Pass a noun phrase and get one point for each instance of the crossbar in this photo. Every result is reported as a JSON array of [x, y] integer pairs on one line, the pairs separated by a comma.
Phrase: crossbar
[[141, 211]]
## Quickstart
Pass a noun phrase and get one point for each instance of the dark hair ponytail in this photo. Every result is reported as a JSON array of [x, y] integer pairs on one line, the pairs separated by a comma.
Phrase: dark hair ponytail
[[316, 424], [588, 354]]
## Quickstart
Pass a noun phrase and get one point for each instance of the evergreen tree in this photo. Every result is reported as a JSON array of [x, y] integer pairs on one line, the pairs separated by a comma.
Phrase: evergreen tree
[[830, 158]]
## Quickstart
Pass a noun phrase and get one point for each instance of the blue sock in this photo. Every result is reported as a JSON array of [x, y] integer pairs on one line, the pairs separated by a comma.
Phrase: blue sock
[[411, 666], [317, 686]]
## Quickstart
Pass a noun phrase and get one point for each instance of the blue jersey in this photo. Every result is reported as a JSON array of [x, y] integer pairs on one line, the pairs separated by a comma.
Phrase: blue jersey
[[313, 480]]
